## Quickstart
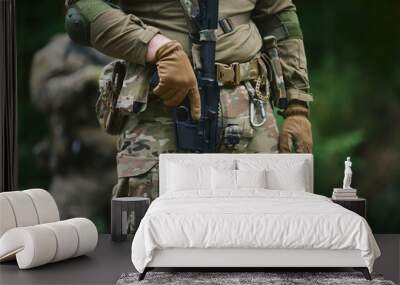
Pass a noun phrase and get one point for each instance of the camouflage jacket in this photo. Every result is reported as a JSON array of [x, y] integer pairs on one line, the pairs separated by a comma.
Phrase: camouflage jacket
[[125, 34]]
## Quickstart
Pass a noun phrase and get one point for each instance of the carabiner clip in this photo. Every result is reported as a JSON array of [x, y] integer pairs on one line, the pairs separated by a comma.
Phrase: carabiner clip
[[253, 102], [253, 113]]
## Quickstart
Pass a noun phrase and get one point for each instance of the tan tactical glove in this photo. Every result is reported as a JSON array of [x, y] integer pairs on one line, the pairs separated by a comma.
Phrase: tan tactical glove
[[177, 79], [296, 130]]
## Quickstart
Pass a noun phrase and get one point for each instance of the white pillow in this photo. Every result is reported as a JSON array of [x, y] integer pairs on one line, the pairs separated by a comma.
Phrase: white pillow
[[279, 180], [251, 178], [282, 173], [188, 177], [223, 179], [201, 161]]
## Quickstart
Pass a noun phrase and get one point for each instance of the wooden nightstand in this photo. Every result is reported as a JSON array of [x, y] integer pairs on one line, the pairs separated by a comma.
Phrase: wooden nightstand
[[358, 206]]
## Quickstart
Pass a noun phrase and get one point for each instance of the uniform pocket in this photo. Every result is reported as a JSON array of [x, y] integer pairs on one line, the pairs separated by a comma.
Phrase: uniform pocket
[[128, 166], [136, 177]]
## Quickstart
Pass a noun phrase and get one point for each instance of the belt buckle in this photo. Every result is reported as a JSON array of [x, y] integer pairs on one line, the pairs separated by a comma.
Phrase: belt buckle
[[229, 74], [225, 73], [236, 73]]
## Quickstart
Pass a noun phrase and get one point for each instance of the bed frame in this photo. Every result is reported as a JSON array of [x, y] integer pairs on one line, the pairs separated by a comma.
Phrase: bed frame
[[245, 258]]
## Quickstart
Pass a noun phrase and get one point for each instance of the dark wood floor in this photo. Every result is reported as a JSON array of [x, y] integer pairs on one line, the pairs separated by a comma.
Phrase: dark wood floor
[[389, 262], [110, 260], [103, 266]]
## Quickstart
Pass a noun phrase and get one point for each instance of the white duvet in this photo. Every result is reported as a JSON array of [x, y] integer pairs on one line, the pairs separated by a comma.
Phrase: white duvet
[[253, 218]]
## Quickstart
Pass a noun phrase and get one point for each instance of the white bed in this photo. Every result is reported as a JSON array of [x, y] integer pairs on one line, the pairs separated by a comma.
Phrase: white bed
[[198, 223]]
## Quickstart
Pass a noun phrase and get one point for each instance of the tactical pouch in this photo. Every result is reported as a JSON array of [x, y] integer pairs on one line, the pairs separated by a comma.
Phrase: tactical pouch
[[110, 84], [135, 90], [234, 113], [124, 90]]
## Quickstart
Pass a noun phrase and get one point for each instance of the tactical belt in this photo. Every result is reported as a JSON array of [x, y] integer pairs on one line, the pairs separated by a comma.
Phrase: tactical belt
[[228, 24], [235, 73]]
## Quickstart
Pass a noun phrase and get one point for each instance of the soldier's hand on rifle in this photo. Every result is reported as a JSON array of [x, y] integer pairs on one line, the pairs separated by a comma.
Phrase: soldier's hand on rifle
[[296, 130], [176, 75]]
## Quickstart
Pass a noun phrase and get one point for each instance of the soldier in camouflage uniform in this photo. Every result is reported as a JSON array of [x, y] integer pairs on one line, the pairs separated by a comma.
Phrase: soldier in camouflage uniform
[[141, 34], [79, 155]]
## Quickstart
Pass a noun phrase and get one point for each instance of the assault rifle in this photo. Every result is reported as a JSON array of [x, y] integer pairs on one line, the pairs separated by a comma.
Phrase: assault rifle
[[203, 135]]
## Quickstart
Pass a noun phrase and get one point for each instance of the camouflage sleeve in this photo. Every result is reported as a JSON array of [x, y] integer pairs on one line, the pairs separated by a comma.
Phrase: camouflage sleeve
[[279, 18], [115, 33]]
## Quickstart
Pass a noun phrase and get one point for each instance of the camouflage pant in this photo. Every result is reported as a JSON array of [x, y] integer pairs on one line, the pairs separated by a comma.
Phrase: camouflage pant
[[151, 132]]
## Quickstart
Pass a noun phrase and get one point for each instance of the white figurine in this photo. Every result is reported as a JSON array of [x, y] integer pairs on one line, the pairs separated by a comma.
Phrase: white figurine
[[347, 174]]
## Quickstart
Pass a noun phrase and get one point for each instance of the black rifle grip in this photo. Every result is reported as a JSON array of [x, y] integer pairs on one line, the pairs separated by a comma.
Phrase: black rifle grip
[[155, 79]]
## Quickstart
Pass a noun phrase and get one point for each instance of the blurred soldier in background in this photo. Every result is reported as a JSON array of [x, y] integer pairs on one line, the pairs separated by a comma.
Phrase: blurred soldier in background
[[77, 153]]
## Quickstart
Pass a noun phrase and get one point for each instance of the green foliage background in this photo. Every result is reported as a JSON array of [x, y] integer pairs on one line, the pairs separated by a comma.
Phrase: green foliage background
[[353, 50]]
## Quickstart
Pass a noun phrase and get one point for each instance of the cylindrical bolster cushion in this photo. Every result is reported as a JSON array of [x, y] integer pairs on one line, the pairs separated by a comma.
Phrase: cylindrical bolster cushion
[[46, 207], [67, 240], [87, 234], [26, 208], [37, 245], [33, 246], [7, 218], [23, 208]]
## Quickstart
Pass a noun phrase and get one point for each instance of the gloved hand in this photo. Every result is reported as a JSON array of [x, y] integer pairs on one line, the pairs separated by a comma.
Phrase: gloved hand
[[177, 79], [296, 130]]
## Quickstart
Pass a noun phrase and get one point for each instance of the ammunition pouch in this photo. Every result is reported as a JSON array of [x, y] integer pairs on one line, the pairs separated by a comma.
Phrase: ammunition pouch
[[110, 84], [124, 90], [236, 129], [135, 89]]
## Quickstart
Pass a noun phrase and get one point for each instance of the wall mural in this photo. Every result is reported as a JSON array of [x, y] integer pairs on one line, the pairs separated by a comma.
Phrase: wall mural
[[63, 148]]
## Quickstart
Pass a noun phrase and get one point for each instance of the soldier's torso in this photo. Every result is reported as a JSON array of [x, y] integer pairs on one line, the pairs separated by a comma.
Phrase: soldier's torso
[[239, 45], [149, 133]]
